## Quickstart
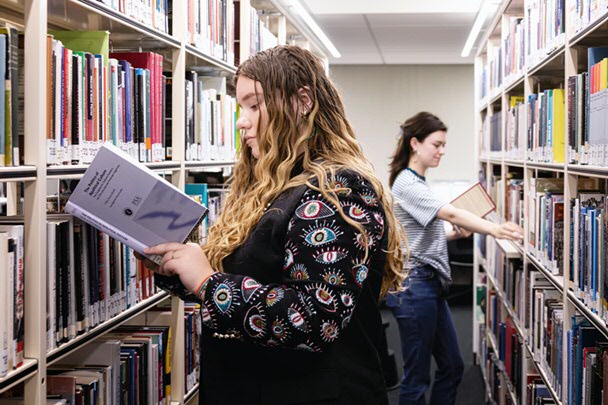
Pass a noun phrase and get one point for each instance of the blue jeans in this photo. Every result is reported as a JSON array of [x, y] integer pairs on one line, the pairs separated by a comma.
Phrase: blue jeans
[[427, 329]]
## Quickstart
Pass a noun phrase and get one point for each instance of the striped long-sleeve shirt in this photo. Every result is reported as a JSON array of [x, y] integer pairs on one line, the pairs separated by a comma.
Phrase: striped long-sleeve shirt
[[416, 207]]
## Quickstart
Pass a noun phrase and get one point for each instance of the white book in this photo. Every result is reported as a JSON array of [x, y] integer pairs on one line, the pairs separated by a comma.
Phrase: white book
[[16, 232], [51, 289], [6, 292], [132, 204]]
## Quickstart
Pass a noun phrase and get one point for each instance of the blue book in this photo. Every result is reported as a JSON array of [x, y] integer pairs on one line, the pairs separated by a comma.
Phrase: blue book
[[595, 55], [199, 189], [569, 363], [582, 250], [126, 68], [588, 336], [593, 219]]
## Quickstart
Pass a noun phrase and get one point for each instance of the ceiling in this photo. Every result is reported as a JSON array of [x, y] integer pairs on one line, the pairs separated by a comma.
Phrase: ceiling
[[396, 31]]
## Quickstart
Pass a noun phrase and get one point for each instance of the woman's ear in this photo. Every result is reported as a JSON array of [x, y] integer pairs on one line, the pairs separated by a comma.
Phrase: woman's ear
[[305, 99], [413, 144]]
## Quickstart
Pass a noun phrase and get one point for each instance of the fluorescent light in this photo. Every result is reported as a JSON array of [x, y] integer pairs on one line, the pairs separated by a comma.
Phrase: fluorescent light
[[479, 21], [313, 26]]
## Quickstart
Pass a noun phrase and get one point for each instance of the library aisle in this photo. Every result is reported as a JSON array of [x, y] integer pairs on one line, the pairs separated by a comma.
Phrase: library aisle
[[521, 84], [472, 389]]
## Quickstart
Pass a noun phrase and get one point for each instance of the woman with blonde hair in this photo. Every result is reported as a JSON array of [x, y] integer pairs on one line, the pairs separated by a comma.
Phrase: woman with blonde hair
[[304, 249]]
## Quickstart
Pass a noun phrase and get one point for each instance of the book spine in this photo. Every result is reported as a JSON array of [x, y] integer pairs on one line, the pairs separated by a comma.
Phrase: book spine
[[92, 220]]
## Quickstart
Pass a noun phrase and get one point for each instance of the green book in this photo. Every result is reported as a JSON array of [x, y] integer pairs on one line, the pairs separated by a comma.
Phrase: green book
[[95, 42]]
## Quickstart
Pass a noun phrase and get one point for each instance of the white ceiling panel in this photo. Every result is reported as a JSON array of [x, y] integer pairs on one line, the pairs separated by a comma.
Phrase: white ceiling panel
[[371, 57], [396, 32], [328, 22], [429, 38], [421, 19], [319, 7]]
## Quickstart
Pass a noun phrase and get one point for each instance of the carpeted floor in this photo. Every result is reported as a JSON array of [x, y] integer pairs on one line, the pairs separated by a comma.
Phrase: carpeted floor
[[471, 389]]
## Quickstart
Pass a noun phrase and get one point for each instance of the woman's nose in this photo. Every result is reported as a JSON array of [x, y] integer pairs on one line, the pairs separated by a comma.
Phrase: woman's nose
[[243, 123]]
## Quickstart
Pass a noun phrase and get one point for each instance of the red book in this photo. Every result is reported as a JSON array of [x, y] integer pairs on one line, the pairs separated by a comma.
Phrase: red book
[[147, 60], [509, 331]]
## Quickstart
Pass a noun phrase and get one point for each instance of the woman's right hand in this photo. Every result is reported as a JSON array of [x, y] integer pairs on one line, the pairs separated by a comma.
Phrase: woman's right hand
[[508, 230]]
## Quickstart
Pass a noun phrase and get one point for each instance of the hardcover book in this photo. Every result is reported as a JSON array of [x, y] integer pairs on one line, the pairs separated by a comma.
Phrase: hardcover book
[[132, 204], [475, 200]]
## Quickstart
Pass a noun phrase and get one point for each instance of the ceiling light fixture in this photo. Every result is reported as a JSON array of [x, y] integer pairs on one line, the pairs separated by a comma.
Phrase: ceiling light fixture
[[487, 6], [312, 24]]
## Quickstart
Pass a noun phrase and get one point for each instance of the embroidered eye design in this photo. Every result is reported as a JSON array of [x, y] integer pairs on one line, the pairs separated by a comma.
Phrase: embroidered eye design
[[338, 182], [330, 256], [360, 273], [320, 237], [357, 213], [307, 302], [275, 295], [248, 287], [321, 234], [329, 331], [361, 243], [278, 330], [206, 316], [345, 321], [299, 272], [333, 277], [379, 218], [347, 299], [290, 253], [288, 259], [223, 297], [369, 198], [296, 319], [314, 209], [255, 322], [325, 298]]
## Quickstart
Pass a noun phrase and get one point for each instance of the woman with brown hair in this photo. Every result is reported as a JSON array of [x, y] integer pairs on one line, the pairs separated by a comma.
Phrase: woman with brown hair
[[304, 249], [421, 310]]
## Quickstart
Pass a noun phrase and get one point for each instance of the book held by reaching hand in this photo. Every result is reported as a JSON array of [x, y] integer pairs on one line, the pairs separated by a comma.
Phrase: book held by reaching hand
[[475, 200], [132, 204]]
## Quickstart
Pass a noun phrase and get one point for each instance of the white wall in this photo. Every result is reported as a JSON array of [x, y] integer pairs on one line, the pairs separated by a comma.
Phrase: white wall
[[379, 98]]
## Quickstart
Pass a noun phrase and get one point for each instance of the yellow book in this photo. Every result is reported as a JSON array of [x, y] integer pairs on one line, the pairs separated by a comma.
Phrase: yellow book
[[603, 70], [558, 135], [514, 100]]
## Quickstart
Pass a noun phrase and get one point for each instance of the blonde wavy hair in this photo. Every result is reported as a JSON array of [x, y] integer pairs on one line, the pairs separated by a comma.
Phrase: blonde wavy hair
[[326, 145]]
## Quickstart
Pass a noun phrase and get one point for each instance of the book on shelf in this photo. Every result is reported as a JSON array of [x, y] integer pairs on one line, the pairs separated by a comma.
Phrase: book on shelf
[[132, 204], [475, 200]]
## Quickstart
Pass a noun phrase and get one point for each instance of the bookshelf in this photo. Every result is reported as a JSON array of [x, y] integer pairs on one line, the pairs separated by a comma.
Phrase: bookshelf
[[543, 161], [182, 52]]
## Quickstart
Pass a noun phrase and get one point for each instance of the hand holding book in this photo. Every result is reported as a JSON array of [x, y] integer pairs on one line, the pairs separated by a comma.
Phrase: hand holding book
[[188, 261], [477, 202]]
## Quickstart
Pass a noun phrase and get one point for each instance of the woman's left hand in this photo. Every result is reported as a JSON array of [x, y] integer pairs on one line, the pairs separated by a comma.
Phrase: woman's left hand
[[188, 261]]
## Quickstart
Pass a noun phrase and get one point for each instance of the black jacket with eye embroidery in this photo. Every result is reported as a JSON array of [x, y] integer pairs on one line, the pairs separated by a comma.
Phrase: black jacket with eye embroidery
[[294, 317]]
